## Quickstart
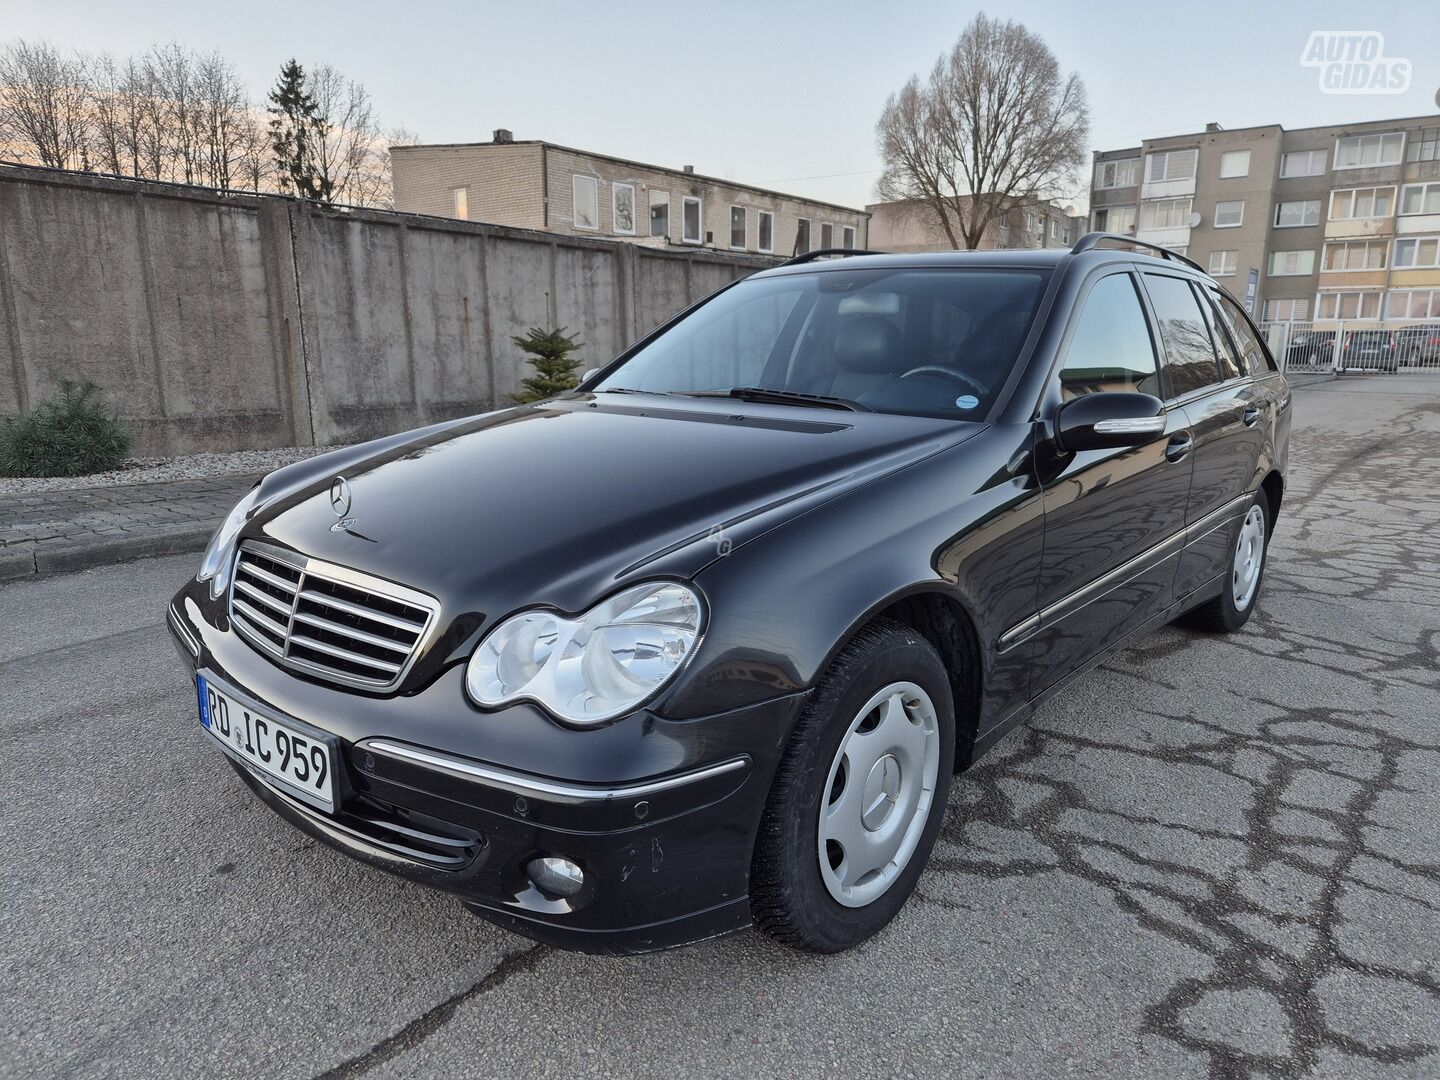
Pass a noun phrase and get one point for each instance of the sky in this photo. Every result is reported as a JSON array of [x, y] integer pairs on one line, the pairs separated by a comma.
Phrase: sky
[[782, 95]]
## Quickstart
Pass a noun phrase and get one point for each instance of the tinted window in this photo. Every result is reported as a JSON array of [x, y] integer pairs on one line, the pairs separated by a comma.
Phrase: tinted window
[[1252, 355], [1229, 363], [1111, 348], [925, 342], [1189, 357]]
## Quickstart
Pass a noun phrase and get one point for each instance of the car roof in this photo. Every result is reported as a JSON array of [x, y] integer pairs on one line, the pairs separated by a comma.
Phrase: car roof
[[1043, 258]]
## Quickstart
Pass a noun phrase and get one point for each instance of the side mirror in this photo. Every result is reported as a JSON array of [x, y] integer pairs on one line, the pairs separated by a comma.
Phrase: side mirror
[[589, 374], [1109, 419]]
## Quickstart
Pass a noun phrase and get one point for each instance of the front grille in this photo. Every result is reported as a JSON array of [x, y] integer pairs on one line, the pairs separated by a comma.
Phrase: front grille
[[327, 621]]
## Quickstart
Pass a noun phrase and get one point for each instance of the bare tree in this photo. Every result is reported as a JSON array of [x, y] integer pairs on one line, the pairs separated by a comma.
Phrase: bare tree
[[44, 104], [994, 128], [347, 154], [223, 115]]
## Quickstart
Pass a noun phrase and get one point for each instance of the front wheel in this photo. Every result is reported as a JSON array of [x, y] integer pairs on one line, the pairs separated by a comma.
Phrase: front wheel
[[1241, 586], [859, 795]]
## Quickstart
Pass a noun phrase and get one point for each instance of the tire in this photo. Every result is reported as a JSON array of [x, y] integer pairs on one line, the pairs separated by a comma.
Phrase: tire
[[1232, 609], [885, 678]]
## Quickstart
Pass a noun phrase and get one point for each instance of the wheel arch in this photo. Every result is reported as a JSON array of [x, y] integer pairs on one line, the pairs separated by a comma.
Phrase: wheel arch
[[943, 620], [1274, 488]]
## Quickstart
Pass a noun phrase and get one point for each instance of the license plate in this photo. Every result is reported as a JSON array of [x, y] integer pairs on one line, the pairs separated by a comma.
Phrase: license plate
[[301, 763]]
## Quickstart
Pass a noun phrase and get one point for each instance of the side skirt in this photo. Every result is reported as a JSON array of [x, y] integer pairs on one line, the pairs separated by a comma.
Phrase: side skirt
[[999, 730]]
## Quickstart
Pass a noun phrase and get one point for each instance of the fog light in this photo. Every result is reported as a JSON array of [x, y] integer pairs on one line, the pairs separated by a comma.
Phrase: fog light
[[555, 876]]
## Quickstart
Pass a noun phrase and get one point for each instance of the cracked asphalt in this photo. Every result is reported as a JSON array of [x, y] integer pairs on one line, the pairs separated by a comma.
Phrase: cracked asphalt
[[1213, 858]]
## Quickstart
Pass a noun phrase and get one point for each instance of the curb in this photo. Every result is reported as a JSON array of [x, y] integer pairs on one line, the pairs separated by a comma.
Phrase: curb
[[69, 556]]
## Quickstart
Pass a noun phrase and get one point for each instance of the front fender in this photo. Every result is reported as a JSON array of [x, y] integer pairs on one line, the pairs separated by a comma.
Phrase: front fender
[[960, 523]]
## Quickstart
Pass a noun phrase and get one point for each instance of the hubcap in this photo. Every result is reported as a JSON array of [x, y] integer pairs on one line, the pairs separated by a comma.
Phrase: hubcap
[[1249, 554], [879, 794]]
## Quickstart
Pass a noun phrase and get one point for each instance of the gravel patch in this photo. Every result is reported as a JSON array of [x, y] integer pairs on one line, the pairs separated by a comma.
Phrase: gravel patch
[[157, 470]]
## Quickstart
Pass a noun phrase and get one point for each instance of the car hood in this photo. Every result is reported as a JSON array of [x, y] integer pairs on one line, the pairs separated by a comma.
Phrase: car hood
[[559, 503]]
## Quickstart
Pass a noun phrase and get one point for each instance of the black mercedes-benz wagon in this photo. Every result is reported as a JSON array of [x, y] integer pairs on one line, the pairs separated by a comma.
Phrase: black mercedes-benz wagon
[[701, 643]]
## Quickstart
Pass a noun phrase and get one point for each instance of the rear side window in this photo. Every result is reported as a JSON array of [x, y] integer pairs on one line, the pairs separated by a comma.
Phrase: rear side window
[[1189, 357], [1224, 351], [1111, 348], [1253, 358]]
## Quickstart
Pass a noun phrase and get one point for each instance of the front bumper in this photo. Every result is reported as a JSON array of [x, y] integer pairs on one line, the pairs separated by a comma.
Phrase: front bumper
[[666, 854]]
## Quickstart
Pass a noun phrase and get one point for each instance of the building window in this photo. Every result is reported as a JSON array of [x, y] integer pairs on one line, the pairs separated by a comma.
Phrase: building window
[[1356, 255], [802, 236], [1420, 199], [1292, 263], [622, 209], [1364, 151], [847, 237], [1303, 163], [1424, 145], [1116, 219], [1165, 213], [1222, 263], [587, 202], [1291, 215], [1122, 173], [1416, 251], [1230, 215], [1286, 310], [660, 213], [827, 236], [462, 203], [1412, 304], [765, 230], [1347, 305], [1054, 229], [1361, 203], [1173, 165], [1234, 163], [1030, 220], [739, 228], [692, 219]]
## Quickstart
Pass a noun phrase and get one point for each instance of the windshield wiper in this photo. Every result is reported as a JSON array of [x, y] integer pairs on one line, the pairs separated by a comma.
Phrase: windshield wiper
[[782, 397]]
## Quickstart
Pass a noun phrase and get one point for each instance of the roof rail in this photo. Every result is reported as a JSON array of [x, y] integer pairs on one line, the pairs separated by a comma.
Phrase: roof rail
[[811, 256], [1093, 240]]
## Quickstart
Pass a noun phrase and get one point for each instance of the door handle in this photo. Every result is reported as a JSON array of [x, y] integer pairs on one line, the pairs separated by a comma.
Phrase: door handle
[[1178, 446], [1251, 415]]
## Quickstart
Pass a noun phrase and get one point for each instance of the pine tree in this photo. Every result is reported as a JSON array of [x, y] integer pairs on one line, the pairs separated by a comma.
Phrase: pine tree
[[549, 354], [295, 129]]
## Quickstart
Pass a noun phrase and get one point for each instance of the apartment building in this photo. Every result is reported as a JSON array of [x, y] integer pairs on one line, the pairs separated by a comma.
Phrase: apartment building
[[914, 225], [538, 185], [1321, 223]]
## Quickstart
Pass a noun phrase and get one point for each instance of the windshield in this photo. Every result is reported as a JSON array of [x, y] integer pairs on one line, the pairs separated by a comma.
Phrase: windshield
[[927, 342]]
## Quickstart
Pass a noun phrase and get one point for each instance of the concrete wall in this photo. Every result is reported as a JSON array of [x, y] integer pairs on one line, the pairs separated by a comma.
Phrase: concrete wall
[[226, 322]]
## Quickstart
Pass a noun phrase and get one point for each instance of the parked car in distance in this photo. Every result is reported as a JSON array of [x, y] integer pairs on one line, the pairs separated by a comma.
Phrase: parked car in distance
[[1418, 345], [701, 644], [1369, 350], [1311, 348]]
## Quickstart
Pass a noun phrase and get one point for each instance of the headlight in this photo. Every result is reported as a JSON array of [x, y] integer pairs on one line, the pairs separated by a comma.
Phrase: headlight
[[219, 554], [593, 667]]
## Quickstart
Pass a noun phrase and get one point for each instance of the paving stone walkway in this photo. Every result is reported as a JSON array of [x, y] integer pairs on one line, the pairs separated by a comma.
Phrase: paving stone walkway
[[73, 530]]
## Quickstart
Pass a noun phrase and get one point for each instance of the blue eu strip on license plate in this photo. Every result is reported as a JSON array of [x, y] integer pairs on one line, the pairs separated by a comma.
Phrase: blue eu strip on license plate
[[204, 700]]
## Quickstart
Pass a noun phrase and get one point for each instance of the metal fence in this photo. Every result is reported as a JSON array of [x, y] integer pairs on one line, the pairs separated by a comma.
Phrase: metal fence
[[1354, 346]]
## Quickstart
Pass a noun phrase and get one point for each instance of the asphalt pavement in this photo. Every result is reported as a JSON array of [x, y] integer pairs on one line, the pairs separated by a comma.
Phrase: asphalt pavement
[[1215, 857]]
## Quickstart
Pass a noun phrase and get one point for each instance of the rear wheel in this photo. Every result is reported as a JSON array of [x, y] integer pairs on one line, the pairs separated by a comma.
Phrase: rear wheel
[[1232, 608], [859, 795]]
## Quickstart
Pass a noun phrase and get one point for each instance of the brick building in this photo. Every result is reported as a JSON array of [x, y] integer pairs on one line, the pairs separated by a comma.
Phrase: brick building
[[538, 185], [1323, 223], [913, 225]]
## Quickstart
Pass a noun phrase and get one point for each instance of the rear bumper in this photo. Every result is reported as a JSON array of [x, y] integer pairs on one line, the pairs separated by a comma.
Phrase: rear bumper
[[666, 857]]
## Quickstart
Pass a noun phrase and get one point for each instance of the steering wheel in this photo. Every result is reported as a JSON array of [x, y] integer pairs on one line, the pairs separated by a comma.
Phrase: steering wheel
[[937, 369]]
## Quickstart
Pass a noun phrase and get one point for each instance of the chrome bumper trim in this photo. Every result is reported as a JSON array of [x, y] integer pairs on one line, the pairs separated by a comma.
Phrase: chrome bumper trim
[[532, 785], [183, 632]]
